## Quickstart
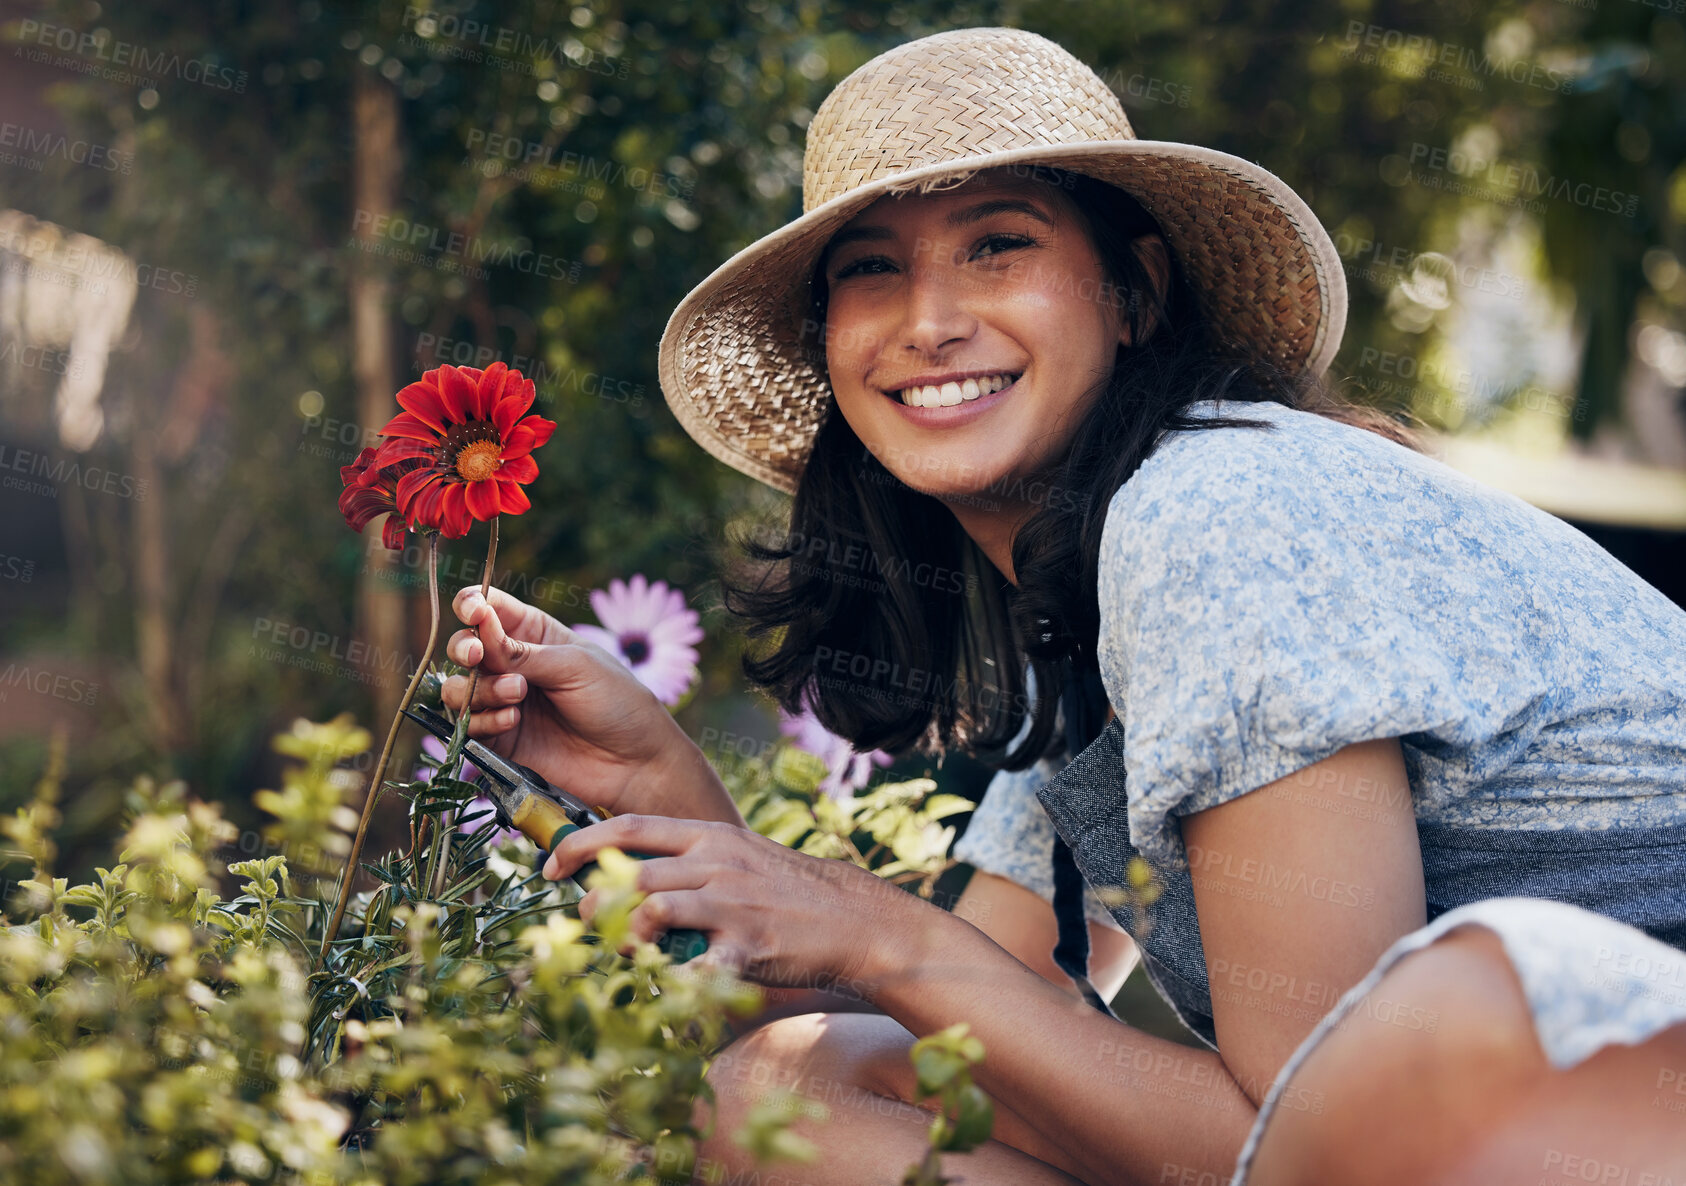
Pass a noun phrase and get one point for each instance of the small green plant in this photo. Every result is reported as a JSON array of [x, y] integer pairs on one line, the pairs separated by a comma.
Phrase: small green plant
[[894, 829], [943, 1063], [465, 1027]]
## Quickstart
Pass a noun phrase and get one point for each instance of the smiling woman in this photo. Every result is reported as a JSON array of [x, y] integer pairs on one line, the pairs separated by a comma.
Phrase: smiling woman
[[1405, 756], [1056, 296]]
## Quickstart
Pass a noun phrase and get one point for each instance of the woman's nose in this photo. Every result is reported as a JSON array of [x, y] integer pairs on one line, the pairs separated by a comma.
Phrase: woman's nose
[[934, 312]]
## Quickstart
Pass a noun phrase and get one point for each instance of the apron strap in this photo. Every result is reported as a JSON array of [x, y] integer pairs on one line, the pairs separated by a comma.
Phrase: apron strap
[[1084, 712]]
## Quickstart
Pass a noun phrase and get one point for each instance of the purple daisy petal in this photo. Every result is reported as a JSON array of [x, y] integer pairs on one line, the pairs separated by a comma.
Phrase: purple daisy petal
[[647, 627], [848, 770]]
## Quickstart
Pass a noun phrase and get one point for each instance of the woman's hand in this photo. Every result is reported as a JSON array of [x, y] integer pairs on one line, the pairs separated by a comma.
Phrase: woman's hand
[[772, 915], [575, 714]]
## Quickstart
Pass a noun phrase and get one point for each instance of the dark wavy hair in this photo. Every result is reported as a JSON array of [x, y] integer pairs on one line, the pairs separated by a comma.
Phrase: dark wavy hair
[[878, 613]]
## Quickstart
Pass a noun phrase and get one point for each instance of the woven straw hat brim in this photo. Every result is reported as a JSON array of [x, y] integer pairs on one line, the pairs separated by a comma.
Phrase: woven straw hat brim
[[746, 377]]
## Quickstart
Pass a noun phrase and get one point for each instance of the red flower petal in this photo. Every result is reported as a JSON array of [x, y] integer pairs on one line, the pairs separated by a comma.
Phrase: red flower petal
[[424, 511], [489, 390], [422, 401], [542, 429], [518, 469], [409, 487], [517, 398], [402, 449], [482, 498], [527, 436], [458, 392], [412, 427], [362, 504], [453, 511], [517, 443], [354, 471], [392, 532], [513, 499]]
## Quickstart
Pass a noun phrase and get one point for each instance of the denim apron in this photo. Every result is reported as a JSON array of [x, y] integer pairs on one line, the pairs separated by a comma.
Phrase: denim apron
[[1635, 877]]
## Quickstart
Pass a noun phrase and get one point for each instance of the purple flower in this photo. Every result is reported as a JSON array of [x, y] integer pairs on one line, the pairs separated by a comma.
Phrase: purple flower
[[479, 806], [647, 627], [849, 771]]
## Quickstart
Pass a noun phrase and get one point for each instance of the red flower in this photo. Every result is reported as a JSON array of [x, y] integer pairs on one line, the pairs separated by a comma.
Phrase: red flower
[[371, 490], [470, 431]]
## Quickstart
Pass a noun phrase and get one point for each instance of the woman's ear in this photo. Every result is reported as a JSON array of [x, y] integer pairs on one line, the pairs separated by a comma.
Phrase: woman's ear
[[1155, 258]]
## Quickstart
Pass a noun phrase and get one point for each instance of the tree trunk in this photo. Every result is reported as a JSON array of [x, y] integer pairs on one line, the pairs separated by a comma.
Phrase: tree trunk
[[375, 175], [154, 627]]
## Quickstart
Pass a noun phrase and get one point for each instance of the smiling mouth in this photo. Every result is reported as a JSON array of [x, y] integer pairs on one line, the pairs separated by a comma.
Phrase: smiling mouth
[[947, 395]]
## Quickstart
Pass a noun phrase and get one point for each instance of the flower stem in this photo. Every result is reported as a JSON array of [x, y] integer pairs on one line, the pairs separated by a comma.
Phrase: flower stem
[[485, 585], [436, 864], [386, 753]]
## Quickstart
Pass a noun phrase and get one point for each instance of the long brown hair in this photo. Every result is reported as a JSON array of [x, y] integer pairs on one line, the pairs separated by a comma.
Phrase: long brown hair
[[882, 616]]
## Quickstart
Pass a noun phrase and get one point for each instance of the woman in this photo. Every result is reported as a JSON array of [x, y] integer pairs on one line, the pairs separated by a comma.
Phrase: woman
[[1408, 756]]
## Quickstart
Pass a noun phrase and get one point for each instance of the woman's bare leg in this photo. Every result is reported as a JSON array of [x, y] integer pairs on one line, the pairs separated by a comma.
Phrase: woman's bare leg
[[857, 1065], [1438, 1077]]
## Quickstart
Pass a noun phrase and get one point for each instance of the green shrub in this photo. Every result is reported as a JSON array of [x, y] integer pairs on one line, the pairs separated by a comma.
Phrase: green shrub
[[475, 1032]]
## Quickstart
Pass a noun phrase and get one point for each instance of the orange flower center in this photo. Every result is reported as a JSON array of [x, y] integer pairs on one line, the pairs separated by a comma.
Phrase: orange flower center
[[479, 460]]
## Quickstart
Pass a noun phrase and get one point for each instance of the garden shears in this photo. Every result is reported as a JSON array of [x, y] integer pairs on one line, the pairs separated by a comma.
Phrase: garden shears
[[543, 812]]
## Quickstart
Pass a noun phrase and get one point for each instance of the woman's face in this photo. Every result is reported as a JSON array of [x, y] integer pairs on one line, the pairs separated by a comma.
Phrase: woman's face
[[987, 299]]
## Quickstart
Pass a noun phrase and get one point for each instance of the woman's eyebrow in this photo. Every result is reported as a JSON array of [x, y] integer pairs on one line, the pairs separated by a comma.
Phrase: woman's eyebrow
[[853, 234], [976, 212]]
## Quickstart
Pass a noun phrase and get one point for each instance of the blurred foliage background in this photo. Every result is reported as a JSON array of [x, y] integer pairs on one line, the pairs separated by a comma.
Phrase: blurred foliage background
[[319, 201]]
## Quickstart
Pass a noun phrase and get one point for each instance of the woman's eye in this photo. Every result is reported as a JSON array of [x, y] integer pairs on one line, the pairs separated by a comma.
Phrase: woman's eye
[[1005, 242], [865, 264], [878, 264]]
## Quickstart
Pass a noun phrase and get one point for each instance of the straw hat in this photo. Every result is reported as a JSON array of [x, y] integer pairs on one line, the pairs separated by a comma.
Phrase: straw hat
[[746, 376]]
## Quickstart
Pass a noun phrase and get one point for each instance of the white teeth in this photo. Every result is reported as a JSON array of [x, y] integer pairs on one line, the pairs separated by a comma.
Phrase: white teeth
[[949, 394]]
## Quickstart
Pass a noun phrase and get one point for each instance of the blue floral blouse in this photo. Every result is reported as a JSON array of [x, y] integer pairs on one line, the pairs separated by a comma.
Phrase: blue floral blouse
[[1270, 596]]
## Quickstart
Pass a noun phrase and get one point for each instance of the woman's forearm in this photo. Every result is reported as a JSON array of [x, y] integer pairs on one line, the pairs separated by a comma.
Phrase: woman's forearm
[[1128, 1107], [685, 786]]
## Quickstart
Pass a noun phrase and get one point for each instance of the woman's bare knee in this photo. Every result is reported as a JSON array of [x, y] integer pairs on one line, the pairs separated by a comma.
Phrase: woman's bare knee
[[846, 1061], [1424, 1066], [853, 1064]]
